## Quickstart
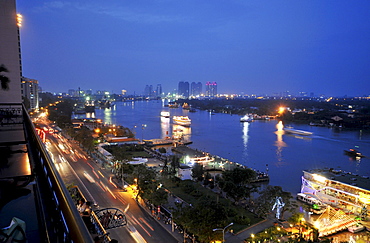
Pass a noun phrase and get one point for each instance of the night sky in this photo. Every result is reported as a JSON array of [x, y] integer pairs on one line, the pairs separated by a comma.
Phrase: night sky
[[250, 47]]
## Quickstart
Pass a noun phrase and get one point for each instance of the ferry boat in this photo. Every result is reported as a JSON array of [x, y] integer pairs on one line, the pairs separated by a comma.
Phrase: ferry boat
[[295, 131], [165, 114], [182, 120], [246, 118]]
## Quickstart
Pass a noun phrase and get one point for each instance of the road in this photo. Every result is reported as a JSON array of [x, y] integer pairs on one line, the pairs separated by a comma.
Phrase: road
[[75, 167]]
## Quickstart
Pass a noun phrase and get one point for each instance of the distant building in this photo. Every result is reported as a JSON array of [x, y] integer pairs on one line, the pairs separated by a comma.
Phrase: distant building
[[196, 89], [30, 90], [123, 92], [73, 93], [88, 92], [148, 91], [159, 90], [10, 55], [183, 90], [211, 89]]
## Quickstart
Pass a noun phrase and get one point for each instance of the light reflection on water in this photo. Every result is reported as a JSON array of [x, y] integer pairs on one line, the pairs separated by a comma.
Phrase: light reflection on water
[[165, 127], [245, 137], [279, 143]]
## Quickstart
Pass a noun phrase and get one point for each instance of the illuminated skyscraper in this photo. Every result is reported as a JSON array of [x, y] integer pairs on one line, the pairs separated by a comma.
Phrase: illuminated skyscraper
[[211, 89], [30, 90]]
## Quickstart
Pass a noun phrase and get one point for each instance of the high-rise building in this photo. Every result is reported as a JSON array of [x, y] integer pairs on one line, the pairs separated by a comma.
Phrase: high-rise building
[[73, 93], [30, 90], [159, 90], [211, 89], [148, 91], [196, 89], [183, 90], [10, 56]]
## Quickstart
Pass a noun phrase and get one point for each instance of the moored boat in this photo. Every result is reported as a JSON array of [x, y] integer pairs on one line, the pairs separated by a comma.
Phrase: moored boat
[[246, 118], [182, 120], [186, 106], [173, 105]]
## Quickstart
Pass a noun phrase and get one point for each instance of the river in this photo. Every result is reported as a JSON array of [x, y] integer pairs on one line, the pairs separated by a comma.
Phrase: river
[[261, 145]]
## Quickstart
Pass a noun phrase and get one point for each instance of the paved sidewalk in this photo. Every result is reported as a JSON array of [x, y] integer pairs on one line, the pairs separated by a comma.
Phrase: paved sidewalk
[[179, 237]]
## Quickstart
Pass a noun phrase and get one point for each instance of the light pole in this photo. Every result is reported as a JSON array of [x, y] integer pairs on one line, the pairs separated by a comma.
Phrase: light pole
[[143, 126], [223, 231]]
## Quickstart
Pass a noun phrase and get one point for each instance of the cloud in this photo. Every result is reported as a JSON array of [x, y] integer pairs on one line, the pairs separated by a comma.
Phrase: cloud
[[114, 11]]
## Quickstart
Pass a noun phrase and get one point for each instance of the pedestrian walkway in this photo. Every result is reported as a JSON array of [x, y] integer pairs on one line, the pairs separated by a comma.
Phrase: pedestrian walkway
[[254, 229]]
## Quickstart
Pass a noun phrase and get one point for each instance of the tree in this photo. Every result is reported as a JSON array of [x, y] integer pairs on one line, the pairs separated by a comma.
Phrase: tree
[[197, 172], [4, 79], [266, 200], [84, 137], [175, 164], [196, 219], [236, 183], [147, 185]]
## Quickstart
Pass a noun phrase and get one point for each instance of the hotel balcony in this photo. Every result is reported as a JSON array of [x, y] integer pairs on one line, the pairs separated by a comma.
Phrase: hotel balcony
[[30, 187]]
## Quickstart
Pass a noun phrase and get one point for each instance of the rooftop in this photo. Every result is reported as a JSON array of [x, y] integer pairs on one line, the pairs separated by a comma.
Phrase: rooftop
[[345, 177]]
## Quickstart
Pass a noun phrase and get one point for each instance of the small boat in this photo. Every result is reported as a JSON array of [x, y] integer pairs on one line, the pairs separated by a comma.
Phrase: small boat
[[165, 114], [246, 118], [173, 105], [186, 106], [354, 153], [295, 131], [182, 120]]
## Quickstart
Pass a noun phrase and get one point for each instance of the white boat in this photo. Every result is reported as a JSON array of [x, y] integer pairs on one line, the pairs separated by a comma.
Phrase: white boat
[[182, 120], [295, 131], [246, 118], [356, 228], [165, 114]]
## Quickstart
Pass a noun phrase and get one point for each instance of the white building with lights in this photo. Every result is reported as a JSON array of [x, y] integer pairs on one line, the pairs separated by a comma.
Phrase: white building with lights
[[340, 189]]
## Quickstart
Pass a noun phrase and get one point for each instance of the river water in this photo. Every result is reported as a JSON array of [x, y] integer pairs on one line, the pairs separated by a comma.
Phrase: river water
[[261, 145]]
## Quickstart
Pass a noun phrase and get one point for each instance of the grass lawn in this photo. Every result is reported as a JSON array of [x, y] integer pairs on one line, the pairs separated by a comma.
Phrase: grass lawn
[[142, 154]]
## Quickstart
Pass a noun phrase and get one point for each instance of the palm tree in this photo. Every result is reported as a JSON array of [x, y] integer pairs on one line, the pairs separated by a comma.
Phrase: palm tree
[[4, 79]]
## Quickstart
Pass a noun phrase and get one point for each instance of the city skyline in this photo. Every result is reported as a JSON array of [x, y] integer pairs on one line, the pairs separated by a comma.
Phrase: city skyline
[[246, 47]]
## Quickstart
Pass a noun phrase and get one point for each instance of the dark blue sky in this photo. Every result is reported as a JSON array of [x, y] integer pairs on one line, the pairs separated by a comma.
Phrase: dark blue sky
[[255, 47]]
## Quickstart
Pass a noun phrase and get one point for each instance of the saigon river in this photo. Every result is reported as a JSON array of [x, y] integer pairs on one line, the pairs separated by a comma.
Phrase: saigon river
[[259, 144]]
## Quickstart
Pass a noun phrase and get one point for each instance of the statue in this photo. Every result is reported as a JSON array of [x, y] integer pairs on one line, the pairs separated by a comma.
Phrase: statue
[[279, 204]]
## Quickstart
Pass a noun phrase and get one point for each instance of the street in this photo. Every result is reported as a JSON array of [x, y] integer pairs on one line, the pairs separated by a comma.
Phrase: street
[[77, 168]]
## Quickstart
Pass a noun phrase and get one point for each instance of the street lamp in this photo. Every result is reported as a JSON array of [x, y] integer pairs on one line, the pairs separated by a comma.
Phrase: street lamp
[[223, 231], [142, 132]]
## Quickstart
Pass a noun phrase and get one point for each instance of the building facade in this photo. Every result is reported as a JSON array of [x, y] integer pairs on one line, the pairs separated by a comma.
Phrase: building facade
[[10, 56], [211, 89], [159, 90], [347, 191], [183, 90], [30, 90], [196, 89]]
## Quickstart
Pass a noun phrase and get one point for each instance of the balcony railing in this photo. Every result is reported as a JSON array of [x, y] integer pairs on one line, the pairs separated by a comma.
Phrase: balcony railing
[[26, 165]]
